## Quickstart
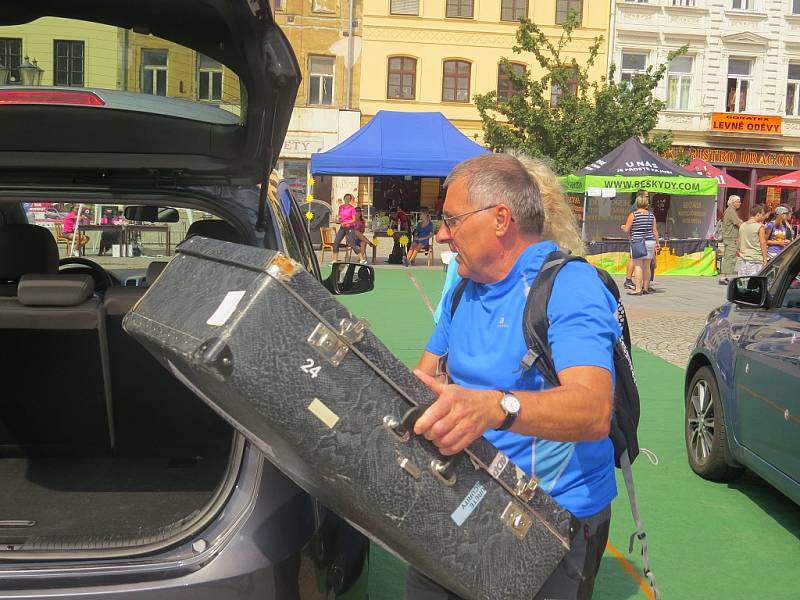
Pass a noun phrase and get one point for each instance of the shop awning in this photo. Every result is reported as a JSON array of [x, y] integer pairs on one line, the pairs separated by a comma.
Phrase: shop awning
[[633, 166], [399, 143], [790, 180], [724, 180]]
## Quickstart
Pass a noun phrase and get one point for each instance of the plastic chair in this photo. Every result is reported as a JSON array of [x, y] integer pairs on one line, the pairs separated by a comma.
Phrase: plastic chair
[[327, 235]]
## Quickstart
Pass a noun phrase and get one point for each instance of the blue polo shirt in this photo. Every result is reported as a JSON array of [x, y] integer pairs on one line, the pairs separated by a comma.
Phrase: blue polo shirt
[[485, 344]]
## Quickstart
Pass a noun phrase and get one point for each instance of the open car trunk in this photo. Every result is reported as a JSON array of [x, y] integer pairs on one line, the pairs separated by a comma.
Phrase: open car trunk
[[70, 486]]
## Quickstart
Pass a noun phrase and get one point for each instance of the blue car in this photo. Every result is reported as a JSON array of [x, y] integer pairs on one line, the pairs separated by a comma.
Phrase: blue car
[[743, 381]]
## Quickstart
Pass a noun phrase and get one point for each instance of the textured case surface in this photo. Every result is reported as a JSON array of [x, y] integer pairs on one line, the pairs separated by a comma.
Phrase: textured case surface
[[234, 323]]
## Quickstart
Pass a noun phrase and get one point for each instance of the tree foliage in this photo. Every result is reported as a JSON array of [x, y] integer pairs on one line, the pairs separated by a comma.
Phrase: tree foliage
[[584, 119]]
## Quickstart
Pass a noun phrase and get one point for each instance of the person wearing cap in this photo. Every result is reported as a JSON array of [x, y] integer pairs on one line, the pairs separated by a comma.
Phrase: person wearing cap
[[730, 237], [778, 231]]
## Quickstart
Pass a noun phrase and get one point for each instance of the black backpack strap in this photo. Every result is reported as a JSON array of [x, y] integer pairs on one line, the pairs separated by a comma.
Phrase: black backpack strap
[[457, 294], [535, 322]]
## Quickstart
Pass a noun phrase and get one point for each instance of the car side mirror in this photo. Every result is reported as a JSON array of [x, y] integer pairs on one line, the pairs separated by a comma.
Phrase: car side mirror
[[350, 278], [750, 292], [151, 214]]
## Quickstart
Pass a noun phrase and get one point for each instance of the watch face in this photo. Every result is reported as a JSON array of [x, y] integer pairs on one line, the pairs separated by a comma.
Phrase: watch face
[[510, 404]]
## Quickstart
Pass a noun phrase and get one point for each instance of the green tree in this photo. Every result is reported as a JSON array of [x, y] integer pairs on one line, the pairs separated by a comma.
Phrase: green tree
[[563, 115]]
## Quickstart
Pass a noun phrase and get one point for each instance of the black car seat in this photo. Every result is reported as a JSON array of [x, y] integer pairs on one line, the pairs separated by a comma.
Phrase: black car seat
[[146, 396], [25, 249]]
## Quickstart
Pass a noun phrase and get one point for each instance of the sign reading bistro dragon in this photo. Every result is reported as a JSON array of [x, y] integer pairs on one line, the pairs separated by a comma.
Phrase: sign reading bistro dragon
[[740, 123], [736, 157]]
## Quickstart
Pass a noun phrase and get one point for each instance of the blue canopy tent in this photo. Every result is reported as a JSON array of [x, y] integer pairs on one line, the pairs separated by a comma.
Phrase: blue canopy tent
[[420, 144]]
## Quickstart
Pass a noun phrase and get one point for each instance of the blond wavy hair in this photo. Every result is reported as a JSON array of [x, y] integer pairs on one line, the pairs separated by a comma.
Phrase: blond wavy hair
[[560, 225]]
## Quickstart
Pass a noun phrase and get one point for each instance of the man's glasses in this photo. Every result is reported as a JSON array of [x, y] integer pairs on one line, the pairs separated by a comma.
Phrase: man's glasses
[[453, 222]]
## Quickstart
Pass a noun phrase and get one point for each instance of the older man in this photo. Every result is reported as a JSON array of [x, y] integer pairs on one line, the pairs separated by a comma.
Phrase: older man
[[730, 238], [493, 218]]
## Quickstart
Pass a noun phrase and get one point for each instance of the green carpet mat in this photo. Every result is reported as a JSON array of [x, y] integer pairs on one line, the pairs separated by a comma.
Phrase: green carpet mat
[[707, 540]]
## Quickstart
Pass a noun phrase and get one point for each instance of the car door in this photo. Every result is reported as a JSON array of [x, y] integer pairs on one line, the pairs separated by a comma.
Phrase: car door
[[767, 380]]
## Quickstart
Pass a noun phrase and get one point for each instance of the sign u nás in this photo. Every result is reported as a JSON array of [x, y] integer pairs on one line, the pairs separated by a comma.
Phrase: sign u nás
[[740, 123]]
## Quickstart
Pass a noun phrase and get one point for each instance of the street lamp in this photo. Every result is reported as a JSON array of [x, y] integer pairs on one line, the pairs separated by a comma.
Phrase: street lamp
[[4, 73], [30, 73]]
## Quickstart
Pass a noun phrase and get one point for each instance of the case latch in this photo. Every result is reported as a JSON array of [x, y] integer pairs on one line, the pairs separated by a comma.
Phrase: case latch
[[328, 344], [515, 518]]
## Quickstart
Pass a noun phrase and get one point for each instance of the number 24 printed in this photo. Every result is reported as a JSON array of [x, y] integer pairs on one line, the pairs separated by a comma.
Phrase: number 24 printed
[[311, 368]]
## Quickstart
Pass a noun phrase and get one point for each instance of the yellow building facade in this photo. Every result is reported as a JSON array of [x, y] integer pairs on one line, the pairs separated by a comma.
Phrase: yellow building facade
[[326, 109], [468, 38], [88, 52]]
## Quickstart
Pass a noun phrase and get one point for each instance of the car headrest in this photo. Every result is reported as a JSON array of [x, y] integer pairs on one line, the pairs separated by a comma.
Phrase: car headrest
[[54, 290], [154, 270], [215, 229], [26, 249]]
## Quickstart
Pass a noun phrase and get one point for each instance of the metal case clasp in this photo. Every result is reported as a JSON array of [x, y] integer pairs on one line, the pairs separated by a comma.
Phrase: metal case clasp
[[516, 520]]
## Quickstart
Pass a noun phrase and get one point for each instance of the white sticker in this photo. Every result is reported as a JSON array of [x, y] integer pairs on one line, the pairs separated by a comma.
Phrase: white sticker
[[225, 308], [498, 465], [469, 504]]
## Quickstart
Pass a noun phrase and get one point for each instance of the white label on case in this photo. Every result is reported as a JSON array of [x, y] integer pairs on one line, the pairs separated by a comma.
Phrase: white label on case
[[225, 308], [498, 465], [469, 504]]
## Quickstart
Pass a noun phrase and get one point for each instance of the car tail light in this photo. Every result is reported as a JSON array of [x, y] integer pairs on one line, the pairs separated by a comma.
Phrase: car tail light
[[62, 97]]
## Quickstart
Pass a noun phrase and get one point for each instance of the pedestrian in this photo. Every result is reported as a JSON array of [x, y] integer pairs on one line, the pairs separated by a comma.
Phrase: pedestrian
[[730, 238], [346, 219], [68, 230], [641, 226], [753, 253], [494, 218], [629, 269], [359, 226], [778, 232], [421, 238]]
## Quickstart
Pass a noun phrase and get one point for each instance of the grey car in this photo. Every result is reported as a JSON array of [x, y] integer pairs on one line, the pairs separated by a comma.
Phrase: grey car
[[115, 481]]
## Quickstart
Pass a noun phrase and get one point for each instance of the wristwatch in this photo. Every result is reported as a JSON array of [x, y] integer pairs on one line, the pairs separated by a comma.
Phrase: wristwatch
[[510, 404]]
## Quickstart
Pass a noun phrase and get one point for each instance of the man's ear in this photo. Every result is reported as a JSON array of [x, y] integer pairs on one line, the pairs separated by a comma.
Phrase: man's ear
[[503, 219]]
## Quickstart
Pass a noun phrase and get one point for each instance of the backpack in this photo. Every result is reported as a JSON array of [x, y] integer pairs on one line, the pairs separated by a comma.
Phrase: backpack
[[397, 254], [625, 418]]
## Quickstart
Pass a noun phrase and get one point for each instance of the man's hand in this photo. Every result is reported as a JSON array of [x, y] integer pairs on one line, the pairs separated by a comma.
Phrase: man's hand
[[459, 416]]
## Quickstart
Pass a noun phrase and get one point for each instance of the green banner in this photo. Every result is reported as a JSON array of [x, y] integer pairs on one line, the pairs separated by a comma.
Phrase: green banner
[[682, 186], [667, 263]]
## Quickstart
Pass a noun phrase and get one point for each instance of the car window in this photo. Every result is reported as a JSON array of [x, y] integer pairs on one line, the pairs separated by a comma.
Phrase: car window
[[299, 225], [791, 299], [281, 214]]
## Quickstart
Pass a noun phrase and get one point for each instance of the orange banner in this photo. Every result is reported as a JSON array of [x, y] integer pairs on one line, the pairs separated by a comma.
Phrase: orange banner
[[739, 123]]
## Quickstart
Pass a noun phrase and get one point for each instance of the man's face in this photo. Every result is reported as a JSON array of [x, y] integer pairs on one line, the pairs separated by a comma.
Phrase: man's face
[[471, 235]]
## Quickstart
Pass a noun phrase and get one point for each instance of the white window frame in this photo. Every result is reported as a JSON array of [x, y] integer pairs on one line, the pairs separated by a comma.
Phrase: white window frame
[[686, 3], [744, 4], [674, 103], [156, 70], [209, 72], [795, 7], [792, 110], [322, 76], [404, 7], [739, 79], [630, 73]]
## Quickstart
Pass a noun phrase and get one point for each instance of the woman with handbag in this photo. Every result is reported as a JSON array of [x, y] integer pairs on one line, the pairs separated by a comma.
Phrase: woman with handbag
[[641, 226]]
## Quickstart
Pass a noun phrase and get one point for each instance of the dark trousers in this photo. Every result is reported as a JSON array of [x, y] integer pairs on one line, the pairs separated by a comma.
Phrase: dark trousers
[[573, 578], [340, 234]]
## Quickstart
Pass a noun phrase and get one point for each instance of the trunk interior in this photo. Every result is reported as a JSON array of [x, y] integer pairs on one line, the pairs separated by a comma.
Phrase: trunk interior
[[85, 467]]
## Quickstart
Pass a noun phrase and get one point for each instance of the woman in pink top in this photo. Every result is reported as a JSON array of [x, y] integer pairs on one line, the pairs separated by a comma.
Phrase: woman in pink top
[[347, 218], [68, 231]]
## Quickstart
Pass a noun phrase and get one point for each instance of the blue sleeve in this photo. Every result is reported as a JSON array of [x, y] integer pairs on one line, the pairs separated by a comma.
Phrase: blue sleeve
[[450, 281], [583, 324]]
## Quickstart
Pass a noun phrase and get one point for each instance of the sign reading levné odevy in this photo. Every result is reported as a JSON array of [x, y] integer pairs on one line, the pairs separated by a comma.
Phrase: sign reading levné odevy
[[740, 123]]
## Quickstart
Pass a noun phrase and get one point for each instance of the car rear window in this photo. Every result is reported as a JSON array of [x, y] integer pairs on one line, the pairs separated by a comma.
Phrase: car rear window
[[127, 70]]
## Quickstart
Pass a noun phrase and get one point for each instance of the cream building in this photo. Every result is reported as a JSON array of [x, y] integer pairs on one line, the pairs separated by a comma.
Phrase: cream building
[[436, 55], [327, 106], [733, 98]]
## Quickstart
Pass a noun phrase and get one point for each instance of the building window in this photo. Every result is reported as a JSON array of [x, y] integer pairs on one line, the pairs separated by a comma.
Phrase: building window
[[793, 91], [277, 4], [513, 10], [739, 78], [632, 63], [209, 79], [455, 83], [404, 7], [154, 72], [461, 9], [682, 2], [796, 7], [68, 60], [744, 4], [557, 92], [11, 57], [679, 83], [402, 78], [564, 7], [505, 87], [320, 80]]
